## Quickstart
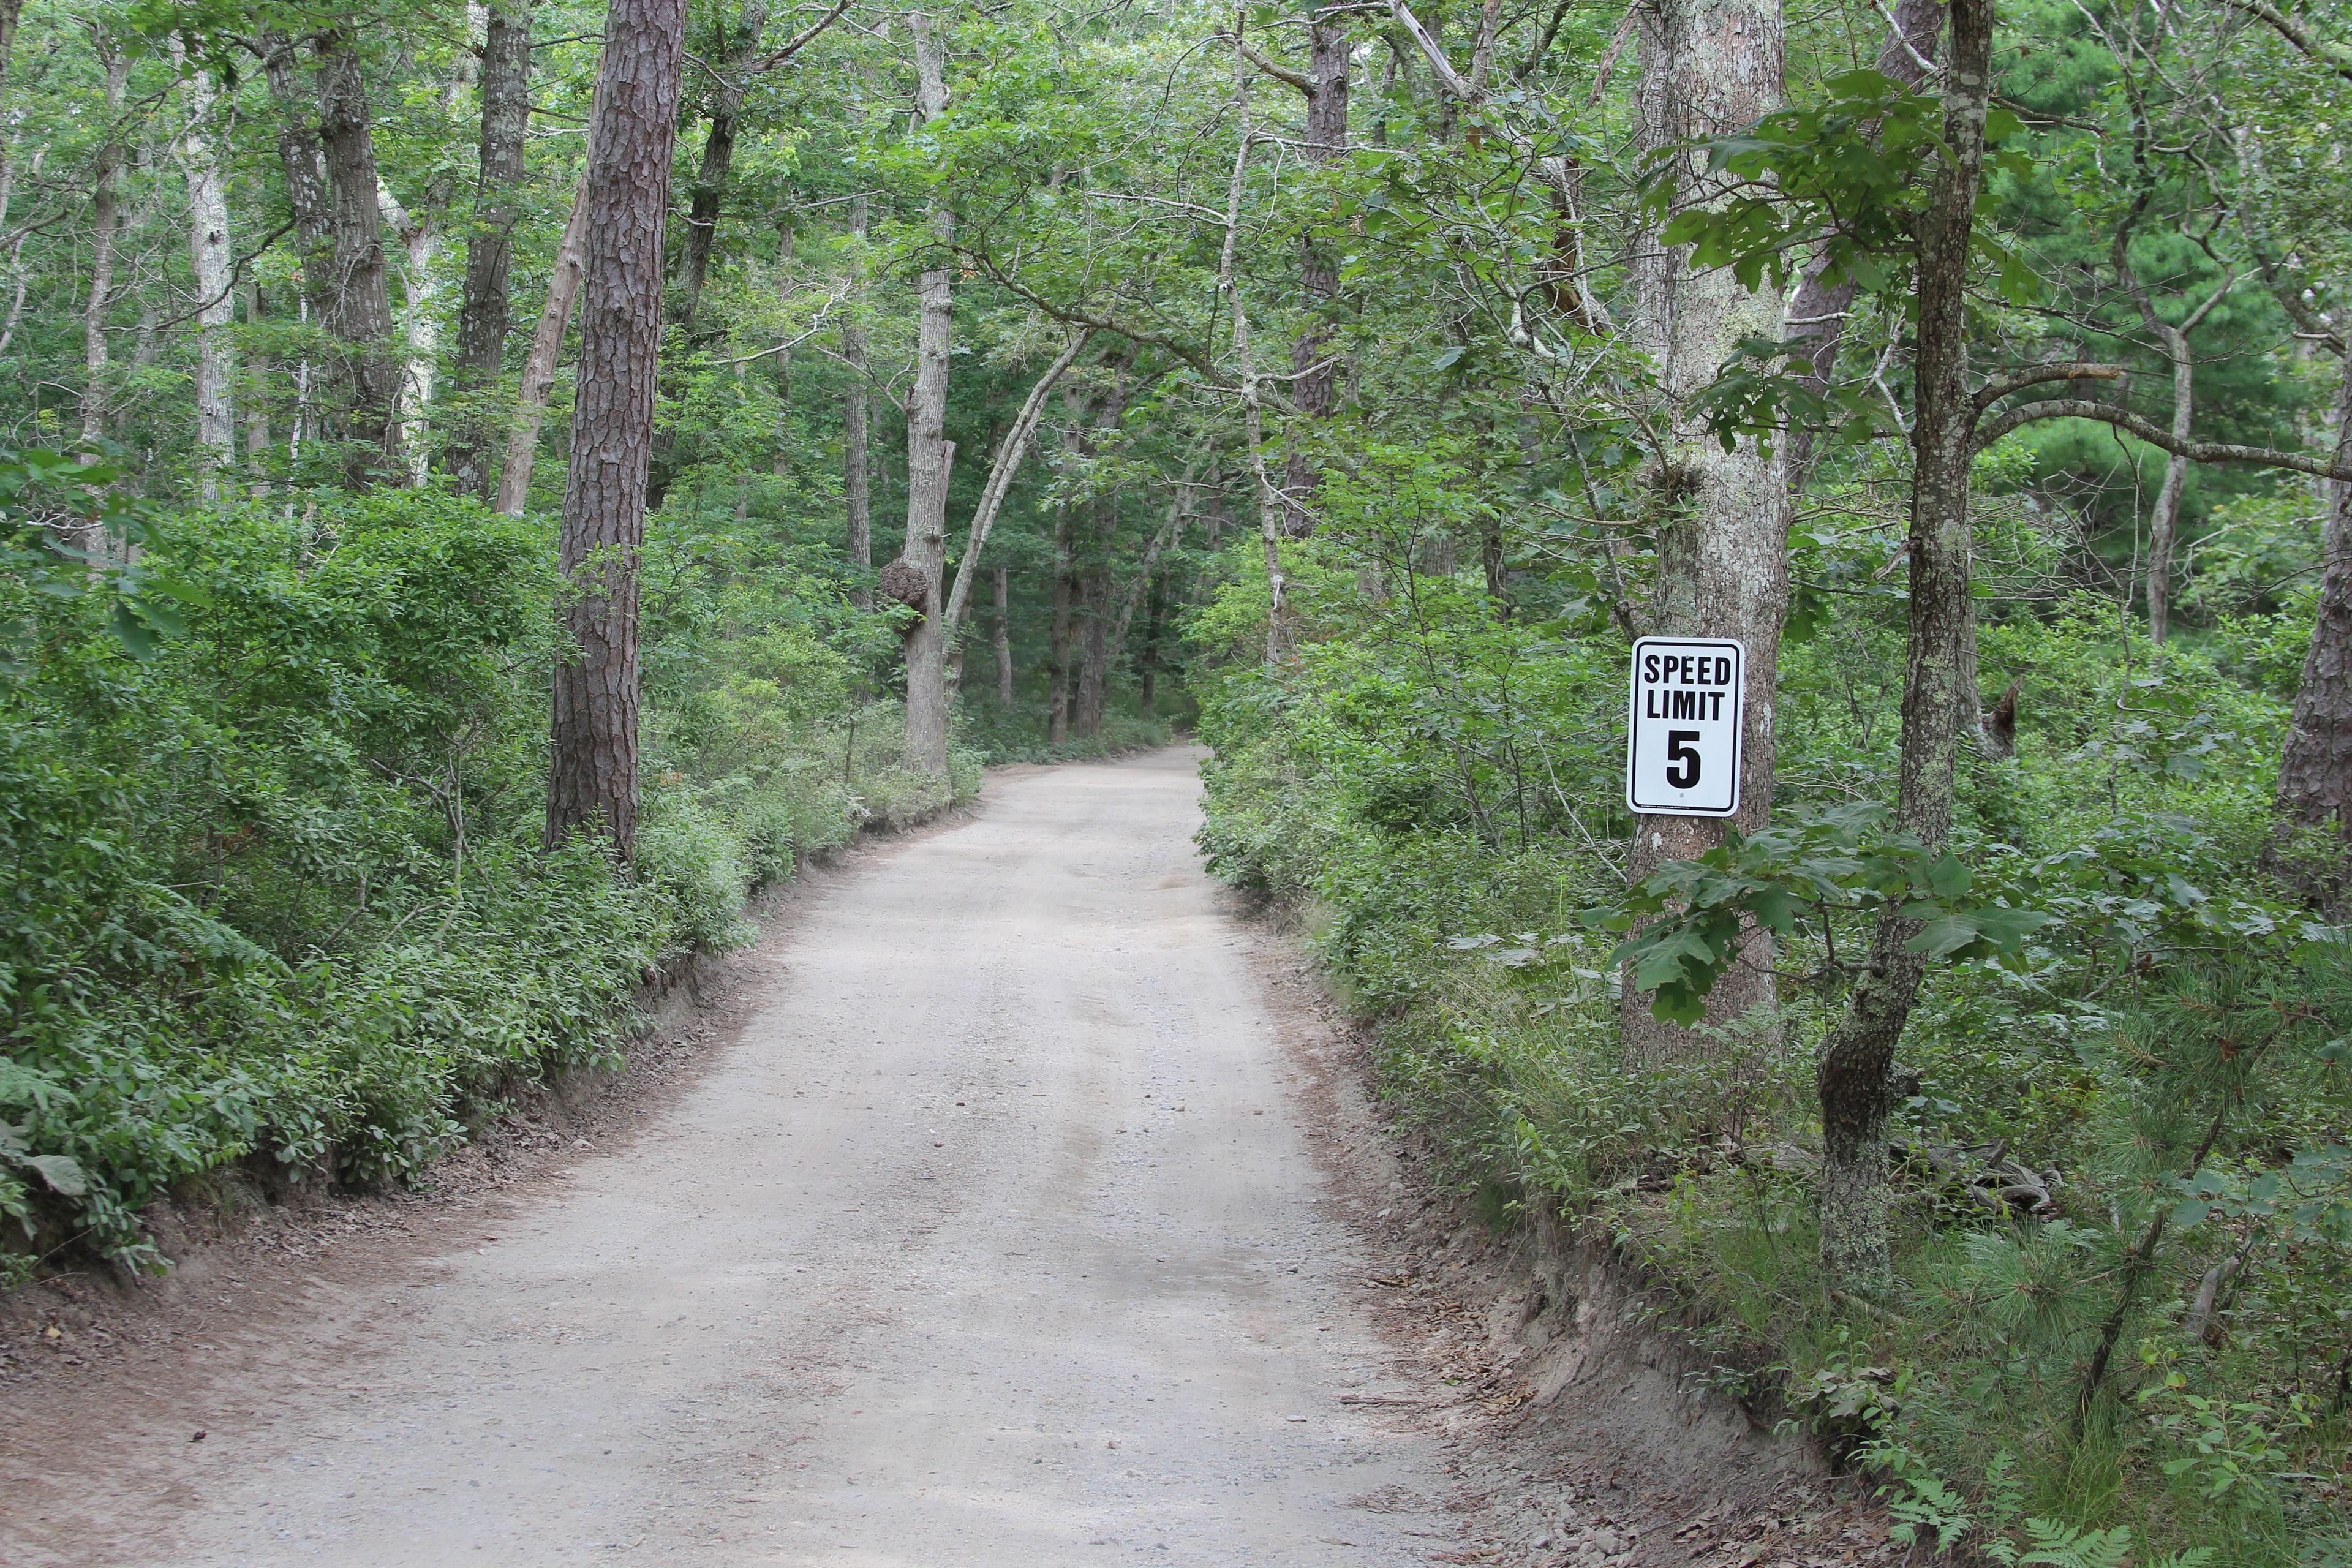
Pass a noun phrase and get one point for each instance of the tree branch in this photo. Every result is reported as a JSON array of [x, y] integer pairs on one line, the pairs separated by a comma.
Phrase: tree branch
[[771, 61], [2335, 57], [1281, 74], [2126, 420], [1001, 472], [2000, 386]]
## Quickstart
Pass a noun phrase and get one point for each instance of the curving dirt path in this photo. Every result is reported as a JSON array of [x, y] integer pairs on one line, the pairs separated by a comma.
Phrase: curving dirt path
[[992, 1238]]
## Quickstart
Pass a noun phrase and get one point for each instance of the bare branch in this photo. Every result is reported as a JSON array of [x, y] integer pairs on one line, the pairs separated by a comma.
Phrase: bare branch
[[772, 60], [2124, 420], [1000, 473], [1281, 74], [2000, 386]]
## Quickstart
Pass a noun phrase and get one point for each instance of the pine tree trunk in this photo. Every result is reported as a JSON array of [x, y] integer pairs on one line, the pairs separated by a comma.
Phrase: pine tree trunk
[[1855, 1062], [538, 366], [929, 454], [210, 262], [358, 306], [483, 316], [593, 782], [2314, 788], [1003, 638], [1710, 68]]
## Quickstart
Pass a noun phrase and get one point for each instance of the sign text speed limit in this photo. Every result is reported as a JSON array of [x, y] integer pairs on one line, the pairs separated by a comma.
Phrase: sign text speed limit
[[1682, 742]]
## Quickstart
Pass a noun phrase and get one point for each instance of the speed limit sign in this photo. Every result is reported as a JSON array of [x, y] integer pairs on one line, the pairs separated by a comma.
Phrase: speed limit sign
[[1681, 730]]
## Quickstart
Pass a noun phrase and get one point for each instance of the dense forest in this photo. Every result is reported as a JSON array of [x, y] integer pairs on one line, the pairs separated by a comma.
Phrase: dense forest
[[487, 486]]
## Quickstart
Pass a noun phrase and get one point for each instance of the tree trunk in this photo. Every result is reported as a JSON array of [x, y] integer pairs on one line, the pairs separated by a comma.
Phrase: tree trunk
[[1819, 312], [2164, 518], [305, 169], [1093, 651], [1710, 68], [104, 222], [1851, 1073], [257, 401], [538, 366], [1003, 638], [210, 262], [1057, 645], [360, 302], [929, 453], [1315, 383], [1147, 673], [2314, 788], [10, 11], [593, 782], [718, 161], [482, 313], [420, 329], [857, 471]]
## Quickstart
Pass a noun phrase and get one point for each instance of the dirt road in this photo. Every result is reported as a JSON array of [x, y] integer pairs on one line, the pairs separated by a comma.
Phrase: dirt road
[[992, 1239]]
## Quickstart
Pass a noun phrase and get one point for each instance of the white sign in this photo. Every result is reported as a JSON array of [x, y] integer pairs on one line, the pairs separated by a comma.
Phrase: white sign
[[1682, 730]]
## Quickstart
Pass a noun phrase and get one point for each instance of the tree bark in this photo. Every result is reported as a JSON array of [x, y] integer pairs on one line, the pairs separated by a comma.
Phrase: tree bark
[[1003, 638], [1710, 68], [1314, 379], [105, 219], [483, 316], [538, 366], [2315, 788], [257, 401], [1853, 1070], [210, 261], [1093, 651], [929, 453], [1819, 312], [299, 156], [718, 161], [360, 302], [10, 12], [593, 780], [1057, 645], [857, 475]]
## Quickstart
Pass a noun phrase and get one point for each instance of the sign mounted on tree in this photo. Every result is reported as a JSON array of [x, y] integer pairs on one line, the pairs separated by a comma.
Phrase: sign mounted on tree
[[1682, 725]]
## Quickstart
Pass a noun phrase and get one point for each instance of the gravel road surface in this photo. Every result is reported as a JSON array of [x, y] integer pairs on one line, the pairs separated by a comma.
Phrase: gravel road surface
[[993, 1237]]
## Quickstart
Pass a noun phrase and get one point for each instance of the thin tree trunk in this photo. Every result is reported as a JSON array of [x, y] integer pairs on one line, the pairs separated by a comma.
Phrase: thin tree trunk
[[538, 366], [592, 781], [857, 475], [1008, 453], [1003, 638], [1057, 645], [10, 11], [1819, 312], [420, 328], [1314, 378], [1853, 1070], [18, 277], [2164, 518], [104, 221], [718, 161], [483, 313], [360, 303], [257, 399], [2315, 788], [1262, 485], [1149, 676], [929, 453], [1710, 68], [210, 261]]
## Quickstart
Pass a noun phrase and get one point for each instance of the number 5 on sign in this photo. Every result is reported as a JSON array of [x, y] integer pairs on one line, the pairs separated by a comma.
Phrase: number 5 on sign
[[1681, 730]]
